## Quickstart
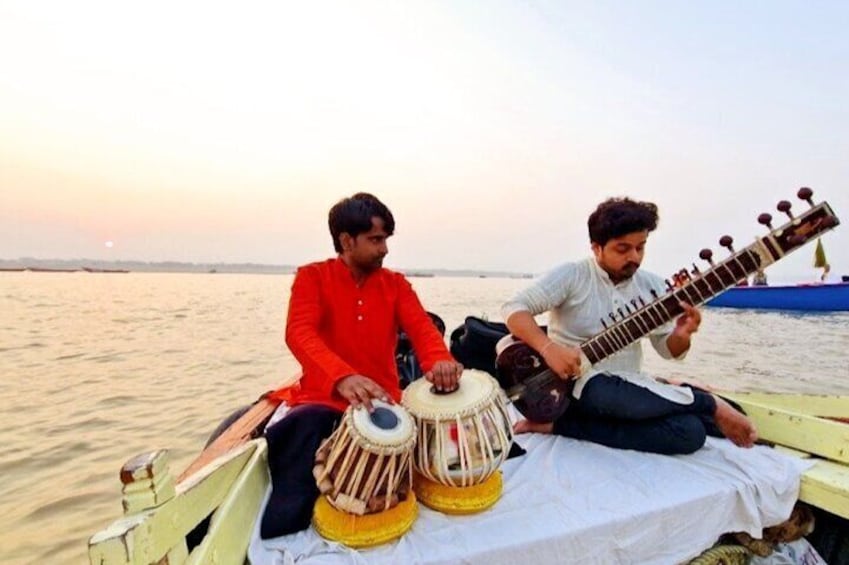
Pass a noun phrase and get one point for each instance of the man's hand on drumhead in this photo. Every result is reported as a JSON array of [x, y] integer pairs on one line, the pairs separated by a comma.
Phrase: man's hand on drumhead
[[359, 390], [445, 375]]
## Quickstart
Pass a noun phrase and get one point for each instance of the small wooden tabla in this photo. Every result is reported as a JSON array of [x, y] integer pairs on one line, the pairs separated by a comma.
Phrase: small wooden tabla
[[463, 438], [364, 473]]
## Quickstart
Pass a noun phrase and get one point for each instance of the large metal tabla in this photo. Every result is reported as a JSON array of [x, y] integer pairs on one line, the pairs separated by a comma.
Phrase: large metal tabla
[[463, 438], [364, 473]]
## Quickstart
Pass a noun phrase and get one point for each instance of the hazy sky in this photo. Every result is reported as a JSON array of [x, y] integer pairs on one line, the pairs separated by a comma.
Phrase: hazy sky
[[199, 131]]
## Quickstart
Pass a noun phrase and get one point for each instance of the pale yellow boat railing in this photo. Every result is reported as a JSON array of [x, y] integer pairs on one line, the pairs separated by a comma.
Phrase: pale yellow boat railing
[[230, 478], [227, 481], [804, 425]]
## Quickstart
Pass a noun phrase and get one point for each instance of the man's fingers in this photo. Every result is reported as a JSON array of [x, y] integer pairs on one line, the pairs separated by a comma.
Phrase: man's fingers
[[376, 392], [365, 398], [438, 376], [444, 376], [352, 398], [451, 373], [437, 379]]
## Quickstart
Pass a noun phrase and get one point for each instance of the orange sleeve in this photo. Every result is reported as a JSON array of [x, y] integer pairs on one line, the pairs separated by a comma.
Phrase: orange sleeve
[[414, 320], [303, 337]]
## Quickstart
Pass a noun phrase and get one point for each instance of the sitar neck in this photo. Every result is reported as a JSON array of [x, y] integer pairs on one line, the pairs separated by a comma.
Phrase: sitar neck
[[641, 318]]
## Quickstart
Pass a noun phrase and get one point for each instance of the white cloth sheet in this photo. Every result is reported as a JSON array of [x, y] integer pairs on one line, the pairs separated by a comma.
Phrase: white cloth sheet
[[569, 501]]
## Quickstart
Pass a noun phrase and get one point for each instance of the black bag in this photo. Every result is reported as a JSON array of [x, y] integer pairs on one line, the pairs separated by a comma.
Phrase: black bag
[[473, 343], [405, 358]]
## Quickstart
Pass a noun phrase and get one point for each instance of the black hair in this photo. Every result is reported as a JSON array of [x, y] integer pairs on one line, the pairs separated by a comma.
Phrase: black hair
[[353, 216], [616, 217]]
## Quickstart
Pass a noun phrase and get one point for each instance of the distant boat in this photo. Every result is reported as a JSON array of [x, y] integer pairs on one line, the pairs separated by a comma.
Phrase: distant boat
[[833, 297], [50, 270], [91, 270]]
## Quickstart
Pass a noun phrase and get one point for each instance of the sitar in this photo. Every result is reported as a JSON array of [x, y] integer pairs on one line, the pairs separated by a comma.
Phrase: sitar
[[542, 396]]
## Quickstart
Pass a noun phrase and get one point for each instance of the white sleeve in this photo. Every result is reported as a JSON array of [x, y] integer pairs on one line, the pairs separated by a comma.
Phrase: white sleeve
[[544, 294]]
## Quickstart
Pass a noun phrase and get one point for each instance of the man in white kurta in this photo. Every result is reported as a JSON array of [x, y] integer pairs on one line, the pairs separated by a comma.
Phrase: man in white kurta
[[615, 404]]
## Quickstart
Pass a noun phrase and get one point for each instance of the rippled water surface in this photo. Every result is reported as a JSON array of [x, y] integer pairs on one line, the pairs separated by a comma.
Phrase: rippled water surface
[[96, 368]]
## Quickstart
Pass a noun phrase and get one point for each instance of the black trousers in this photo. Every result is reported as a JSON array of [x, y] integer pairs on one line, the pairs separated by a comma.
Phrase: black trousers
[[292, 443], [617, 413]]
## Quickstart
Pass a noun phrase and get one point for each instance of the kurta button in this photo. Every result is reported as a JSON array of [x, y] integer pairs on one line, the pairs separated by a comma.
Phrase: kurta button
[[360, 318], [359, 302]]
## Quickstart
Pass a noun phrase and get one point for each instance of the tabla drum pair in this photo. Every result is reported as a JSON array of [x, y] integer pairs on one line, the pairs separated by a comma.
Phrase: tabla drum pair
[[455, 441], [463, 438]]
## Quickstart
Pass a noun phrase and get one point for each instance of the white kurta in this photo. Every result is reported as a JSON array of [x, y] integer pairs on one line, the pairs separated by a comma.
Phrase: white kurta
[[578, 296]]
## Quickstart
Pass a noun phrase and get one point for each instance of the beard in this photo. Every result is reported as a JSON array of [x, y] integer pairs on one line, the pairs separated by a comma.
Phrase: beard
[[625, 272], [372, 264], [629, 269]]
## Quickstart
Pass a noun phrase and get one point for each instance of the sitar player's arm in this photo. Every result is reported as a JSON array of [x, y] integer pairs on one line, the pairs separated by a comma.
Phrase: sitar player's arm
[[562, 359]]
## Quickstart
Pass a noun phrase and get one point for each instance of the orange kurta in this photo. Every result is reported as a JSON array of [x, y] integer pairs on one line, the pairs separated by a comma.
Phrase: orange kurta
[[336, 329]]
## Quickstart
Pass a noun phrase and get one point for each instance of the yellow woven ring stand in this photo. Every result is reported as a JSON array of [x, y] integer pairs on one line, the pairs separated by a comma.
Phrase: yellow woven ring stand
[[367, 530], [458, 500]]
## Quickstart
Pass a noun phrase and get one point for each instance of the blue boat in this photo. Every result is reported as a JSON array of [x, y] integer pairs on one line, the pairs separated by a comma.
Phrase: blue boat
[[832, 297]]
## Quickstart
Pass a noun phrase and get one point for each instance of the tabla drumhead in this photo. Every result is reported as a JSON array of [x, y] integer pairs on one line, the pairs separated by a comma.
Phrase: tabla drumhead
[[475, 388], [388, 425]]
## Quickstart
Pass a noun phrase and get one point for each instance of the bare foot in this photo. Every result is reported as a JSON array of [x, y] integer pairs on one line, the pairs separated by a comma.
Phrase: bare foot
[[527, 426], [734, 425]]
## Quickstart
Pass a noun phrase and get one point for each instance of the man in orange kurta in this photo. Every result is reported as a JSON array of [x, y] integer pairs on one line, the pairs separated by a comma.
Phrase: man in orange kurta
[[343, 322]]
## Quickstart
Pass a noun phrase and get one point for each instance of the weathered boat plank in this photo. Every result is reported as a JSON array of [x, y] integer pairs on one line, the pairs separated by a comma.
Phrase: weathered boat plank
[[232, 524], [823, 405], [826, 486], [819, 436], [152, 534], [147, 481]]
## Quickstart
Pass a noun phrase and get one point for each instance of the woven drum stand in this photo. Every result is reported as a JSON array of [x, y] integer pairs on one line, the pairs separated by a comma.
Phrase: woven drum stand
[[367, 530]]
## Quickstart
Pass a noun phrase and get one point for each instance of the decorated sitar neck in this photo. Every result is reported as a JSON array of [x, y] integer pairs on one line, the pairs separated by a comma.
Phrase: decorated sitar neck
[[696, 287]]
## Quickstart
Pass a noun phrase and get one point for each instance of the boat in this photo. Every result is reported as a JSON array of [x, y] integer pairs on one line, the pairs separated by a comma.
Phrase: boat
[[222, 491], [51, 270], [97, 270], [823, 297]]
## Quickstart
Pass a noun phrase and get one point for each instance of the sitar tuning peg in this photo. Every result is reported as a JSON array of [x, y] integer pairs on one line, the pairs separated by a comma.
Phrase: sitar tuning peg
[[784, 206], [727, 242], [805, 194], [706, 255], [766, 220], [696, 272], [669, 285]]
